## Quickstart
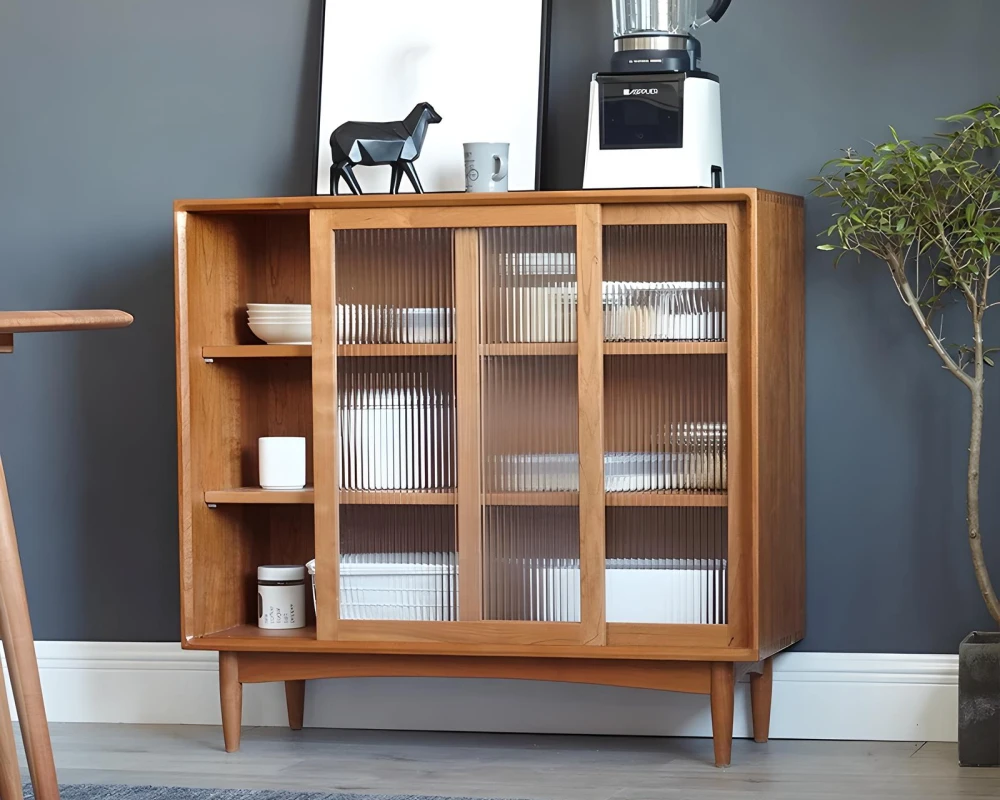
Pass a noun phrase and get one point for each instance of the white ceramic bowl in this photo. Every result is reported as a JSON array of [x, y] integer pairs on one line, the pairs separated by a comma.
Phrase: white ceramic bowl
[[306, 307], [283, 332], [279, 316]]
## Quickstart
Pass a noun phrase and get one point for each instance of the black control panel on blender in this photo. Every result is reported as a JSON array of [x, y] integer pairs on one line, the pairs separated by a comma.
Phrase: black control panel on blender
[[641, 113]]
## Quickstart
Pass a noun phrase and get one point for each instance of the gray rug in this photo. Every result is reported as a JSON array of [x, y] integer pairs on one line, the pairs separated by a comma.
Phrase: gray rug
[[86, 791]]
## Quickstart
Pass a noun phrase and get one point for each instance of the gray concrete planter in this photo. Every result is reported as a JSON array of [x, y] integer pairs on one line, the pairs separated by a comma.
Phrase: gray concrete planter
[[979, 700]]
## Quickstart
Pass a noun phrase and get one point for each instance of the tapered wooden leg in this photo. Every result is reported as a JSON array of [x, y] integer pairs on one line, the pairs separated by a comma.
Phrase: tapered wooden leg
[[19, 647], [231, 693], [10, 772], [723, 699], [295, 699], [760, 701]]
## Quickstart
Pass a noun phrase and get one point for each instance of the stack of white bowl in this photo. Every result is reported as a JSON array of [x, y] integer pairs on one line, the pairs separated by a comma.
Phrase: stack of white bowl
[[281, 323]]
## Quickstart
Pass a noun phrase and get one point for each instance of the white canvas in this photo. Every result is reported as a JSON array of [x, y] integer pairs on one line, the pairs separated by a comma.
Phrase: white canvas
[[476, 61]]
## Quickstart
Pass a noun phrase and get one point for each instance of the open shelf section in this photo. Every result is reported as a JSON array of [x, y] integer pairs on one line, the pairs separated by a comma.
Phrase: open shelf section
[[381, 498], [529, 349], [251, 495], [665, 348], [250, 635], [531, 499], [257, 351], [667, 499]]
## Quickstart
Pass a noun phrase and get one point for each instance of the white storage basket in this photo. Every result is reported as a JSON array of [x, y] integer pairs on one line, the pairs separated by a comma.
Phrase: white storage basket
[[401, 591]]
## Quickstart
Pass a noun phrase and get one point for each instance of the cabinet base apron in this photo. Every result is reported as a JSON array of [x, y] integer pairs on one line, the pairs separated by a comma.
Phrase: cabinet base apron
[[714, 678]]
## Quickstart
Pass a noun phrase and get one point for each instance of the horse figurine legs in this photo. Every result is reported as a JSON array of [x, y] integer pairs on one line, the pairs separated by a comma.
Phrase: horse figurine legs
[[396, 179], [411, 173], [346, 171]]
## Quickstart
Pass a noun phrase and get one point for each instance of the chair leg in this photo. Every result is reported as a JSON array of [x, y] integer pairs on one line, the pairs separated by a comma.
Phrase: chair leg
[[19, 646], [10, 771]]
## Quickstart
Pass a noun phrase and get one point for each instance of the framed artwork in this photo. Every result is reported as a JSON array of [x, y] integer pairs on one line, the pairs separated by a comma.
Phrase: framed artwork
[[482, 65]]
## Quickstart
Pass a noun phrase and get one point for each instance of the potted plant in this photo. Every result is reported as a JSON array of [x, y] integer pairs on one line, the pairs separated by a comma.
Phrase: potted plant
[[931, 212]]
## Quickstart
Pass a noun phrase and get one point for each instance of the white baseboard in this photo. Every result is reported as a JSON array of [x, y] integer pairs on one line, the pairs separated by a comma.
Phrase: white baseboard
[[816, 696]]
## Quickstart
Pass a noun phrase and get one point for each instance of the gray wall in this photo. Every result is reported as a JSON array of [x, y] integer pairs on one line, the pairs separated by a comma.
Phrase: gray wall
[[109, 110]]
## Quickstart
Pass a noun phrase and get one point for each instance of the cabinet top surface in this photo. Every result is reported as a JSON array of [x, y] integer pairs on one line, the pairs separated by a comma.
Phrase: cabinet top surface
[[594, 196]]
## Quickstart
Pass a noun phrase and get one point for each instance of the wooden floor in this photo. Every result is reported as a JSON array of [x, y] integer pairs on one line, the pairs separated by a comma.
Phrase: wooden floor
[[512, 766]]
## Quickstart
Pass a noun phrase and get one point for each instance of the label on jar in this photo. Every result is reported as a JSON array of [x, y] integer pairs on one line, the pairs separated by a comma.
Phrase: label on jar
[[280, 607]]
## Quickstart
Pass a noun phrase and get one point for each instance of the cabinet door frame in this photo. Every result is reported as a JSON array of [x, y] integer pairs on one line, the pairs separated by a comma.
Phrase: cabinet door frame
[[470, 629], [739, 630]]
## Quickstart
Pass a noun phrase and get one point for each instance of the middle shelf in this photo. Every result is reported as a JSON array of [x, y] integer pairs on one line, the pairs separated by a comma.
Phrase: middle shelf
[[249, 495], [212, 352]]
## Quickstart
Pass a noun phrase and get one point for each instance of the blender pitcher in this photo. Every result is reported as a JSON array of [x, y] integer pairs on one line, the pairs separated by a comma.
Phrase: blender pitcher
[[663, 31]]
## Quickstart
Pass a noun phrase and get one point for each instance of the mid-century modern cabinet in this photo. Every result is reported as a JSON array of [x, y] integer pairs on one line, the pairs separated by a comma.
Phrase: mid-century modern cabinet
[[551, 436]]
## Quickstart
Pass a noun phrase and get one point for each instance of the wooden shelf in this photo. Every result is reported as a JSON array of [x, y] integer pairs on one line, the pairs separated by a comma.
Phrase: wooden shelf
[[257, 351], [267, 640], [529, 349], [665, 348], [252, 495], [349, 350], [531, 499], [414, 498], [344, 350], [667, 499]]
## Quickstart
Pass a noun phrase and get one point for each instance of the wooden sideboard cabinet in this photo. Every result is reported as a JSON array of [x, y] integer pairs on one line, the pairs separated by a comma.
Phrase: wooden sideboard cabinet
[[551, 436]]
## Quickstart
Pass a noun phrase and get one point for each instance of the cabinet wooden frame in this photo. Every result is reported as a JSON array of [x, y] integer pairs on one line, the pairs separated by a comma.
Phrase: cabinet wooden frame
[[232, 389]]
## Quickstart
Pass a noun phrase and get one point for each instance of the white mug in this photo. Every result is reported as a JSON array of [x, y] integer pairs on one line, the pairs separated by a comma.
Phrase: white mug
[[282, 462], [486, 166]]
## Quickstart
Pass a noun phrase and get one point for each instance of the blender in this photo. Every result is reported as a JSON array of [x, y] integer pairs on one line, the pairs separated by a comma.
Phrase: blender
[[655, 117]]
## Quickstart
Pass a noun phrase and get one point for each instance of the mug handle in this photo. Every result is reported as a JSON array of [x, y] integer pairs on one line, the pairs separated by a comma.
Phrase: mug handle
[[499, 168]]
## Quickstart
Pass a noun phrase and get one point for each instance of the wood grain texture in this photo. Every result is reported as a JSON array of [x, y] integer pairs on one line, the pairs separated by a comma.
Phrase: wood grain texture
[[369, 350], [778, 408], [475, 640], [295, 701], [760, 700], [325, 445], [6, 342], [552, 634], [48, 321], [664, 348], [590, 385], [468, 426], [637, 634], [740, 433], [691, 677], [443, 216], [231, 695], [609, 197], [257, 351], [722, 702], [250, 495], [19, 649]]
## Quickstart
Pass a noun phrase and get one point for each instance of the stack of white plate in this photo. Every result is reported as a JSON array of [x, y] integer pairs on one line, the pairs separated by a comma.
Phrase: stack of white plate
[[281, 323]]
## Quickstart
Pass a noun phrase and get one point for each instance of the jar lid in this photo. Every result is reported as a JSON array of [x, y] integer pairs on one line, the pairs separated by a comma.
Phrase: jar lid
[[281, 572]]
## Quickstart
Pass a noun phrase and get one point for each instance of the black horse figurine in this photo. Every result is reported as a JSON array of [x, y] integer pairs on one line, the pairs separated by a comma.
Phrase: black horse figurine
[[397, 144]]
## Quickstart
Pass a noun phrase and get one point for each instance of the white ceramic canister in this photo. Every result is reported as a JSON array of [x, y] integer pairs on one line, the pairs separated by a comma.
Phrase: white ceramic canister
[[281, 597]]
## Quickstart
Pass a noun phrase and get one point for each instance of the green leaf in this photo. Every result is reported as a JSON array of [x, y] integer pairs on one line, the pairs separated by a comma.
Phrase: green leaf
[[989, 361], [826, 247]]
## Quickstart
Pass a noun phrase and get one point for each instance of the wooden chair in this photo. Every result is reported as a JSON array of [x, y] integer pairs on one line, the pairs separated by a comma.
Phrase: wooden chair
[[15, 624]]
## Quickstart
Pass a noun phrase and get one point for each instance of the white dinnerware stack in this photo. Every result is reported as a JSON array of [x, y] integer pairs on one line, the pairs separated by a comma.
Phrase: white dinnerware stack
[[281, 323]]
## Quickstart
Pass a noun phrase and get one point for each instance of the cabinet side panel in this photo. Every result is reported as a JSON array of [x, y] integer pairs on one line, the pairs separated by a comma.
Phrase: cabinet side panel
[[779, 333], [215, 558]]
